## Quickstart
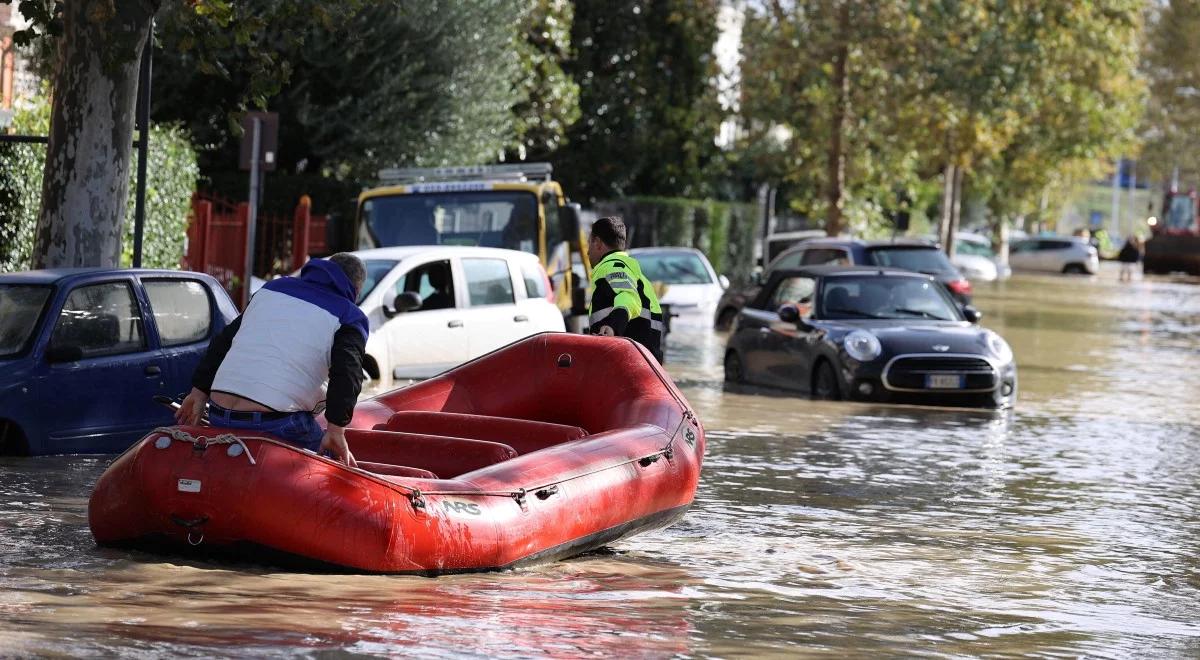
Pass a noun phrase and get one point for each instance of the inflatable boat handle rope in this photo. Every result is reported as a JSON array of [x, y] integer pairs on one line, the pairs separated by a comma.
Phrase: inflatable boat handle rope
[[204, 441]]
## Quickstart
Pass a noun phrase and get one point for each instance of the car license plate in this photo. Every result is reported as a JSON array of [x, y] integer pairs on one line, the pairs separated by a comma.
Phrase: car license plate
[[944, 381]]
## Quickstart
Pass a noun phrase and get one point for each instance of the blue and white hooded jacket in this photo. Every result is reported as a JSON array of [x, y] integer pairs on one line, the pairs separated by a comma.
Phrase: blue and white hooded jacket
[[296, 335]]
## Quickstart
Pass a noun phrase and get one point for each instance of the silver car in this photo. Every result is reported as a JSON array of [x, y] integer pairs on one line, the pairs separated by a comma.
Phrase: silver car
[[1054, 254]]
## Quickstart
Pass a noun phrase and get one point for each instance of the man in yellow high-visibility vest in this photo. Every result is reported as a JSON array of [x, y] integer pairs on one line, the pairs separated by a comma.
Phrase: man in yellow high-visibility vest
[[624, 303]]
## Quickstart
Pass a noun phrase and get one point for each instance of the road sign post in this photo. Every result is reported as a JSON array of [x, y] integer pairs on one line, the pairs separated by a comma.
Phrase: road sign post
[[260, 139]]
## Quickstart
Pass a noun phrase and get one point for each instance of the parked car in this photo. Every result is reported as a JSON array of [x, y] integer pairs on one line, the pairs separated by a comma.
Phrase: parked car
[[692, 286], [908, 254], [974, 258], [870, 334], [432, 308], [1054, 254], [84, 351]]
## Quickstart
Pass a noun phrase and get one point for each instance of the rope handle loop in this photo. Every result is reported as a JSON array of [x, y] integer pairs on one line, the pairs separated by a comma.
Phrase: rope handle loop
[[203, 441]]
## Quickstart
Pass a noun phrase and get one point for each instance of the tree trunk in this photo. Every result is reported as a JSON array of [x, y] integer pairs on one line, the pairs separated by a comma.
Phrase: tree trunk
[[837, 151], [955, 212], [86, 181], [947, 204]]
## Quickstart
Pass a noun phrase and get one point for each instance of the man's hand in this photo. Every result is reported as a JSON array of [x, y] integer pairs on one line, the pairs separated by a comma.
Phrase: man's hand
[[334, 442], [192, 408], [606, 331]]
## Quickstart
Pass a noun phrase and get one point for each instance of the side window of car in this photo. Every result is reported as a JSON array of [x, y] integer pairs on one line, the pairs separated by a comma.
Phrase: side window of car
[[793, 290], [100, 319], [818, 256], [488, 281], [535, 281], [791, 260], [181, 309], [433, 282]]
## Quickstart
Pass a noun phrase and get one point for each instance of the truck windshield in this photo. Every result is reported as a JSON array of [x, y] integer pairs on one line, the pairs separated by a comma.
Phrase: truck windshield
[[20, 307], [494, 218], [1181, 213]]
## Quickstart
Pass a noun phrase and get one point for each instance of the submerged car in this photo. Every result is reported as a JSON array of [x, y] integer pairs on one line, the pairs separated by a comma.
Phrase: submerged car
[[869, 334], [84, 351], [692, 286], [434, 307]]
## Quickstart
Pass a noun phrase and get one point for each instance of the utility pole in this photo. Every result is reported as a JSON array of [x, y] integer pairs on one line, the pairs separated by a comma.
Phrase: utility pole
[[1116, 199], [252, 212]]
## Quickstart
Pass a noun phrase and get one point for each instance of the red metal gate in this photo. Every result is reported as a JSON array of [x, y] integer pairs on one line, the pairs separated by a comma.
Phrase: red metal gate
[[217, 241]]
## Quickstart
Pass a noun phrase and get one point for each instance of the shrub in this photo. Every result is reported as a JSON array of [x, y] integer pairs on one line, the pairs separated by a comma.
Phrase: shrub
[[171, 173]]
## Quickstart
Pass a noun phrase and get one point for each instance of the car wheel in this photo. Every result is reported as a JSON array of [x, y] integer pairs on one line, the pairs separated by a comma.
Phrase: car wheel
[[1074, 269], [12, 440], [825, 383], [734, 372], [725, 319]]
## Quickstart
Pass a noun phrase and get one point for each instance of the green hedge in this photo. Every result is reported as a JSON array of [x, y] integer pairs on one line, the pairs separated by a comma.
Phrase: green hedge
[[724, 231], [171, 172]]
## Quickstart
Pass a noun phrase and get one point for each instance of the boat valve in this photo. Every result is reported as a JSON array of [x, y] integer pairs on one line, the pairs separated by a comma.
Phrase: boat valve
[[647, 460], [519, 496], [416, 499], [545, 493]]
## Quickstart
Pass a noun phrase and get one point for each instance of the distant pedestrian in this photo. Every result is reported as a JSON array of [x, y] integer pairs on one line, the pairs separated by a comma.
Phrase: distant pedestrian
[[1128, 256]]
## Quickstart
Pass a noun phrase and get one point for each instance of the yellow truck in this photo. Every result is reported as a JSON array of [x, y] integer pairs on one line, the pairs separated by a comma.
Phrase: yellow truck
[[513, 206]]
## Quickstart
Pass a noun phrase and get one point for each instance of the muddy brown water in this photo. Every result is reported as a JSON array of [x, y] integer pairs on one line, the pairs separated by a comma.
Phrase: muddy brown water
[[1067, 527]]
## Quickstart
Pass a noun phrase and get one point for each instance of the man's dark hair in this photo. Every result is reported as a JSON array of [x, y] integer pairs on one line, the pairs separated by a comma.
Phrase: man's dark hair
[[353, 267], [610, 231]]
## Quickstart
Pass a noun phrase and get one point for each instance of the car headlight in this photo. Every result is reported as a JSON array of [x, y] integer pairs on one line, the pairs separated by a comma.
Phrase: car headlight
[[862, 346], [996, 344]]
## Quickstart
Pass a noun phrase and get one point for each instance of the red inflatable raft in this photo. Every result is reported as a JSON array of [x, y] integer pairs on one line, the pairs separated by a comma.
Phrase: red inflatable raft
[[544, 449]]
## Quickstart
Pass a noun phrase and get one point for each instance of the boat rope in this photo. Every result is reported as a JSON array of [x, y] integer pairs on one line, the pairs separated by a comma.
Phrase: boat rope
[[204, 441]]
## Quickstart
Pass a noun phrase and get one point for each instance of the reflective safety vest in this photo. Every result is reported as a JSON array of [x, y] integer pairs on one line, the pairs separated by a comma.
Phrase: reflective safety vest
[[619, 285]]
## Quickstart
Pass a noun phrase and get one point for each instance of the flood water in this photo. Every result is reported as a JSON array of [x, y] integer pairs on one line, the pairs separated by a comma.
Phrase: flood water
[[1067, 527]]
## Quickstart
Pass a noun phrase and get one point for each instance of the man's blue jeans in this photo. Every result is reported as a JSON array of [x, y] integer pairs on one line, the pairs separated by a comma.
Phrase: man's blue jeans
[[298, 428]]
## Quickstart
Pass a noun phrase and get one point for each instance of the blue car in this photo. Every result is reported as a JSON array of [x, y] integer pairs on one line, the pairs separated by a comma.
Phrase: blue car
[[83, 351]]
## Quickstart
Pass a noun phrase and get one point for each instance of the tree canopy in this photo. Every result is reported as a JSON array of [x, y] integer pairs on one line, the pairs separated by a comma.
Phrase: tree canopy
[[1018, 95]]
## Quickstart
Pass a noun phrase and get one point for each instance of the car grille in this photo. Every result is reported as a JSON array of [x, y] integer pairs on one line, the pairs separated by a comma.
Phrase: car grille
[[909, 372]]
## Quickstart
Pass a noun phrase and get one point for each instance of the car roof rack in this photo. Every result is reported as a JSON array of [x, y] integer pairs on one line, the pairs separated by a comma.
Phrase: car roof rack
[[506, 172]]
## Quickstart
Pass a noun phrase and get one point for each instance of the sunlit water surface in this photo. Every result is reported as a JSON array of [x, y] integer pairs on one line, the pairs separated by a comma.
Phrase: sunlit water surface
[[1067, 527]]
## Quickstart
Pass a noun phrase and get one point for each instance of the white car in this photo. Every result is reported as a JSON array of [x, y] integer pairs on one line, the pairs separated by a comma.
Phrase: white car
[[1054, 254], [692, 286], [434, 307], [974, 257]]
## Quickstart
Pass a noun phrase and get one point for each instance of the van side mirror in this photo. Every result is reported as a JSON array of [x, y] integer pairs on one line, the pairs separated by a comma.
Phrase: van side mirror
[[756, 278], [971, 314], [568, 220], [59, 354], [723, 281], [789, 313]]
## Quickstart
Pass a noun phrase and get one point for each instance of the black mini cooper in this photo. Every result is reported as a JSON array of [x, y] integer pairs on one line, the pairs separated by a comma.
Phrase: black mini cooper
[[869, 334]]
